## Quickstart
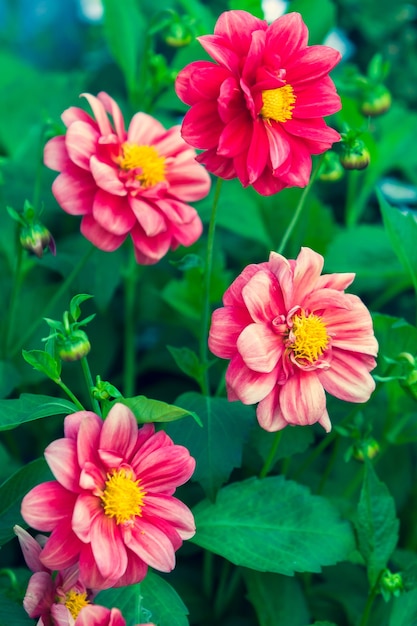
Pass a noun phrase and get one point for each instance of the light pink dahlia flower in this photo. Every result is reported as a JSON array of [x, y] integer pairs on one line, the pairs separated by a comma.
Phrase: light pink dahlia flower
[[55, 599], [93, 615], [292, 334], [257, 112], [135, 182], [111, 508]]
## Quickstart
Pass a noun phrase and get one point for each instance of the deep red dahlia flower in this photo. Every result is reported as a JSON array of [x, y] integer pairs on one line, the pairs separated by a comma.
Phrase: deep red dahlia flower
[[111, 508], [135, 182], [257, 112], [291, 334]]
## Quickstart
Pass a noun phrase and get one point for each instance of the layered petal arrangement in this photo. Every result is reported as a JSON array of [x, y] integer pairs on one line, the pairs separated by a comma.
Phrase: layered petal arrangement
[[291, 334], [257, 111], [111, 508], [136, 182], [54, 599]]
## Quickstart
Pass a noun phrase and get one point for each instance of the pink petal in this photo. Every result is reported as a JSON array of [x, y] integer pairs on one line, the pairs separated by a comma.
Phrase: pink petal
[[148, 216], [46, 505], [311, 64], [74, 190], [136, 571], [308, 267], [226, 325], [99, 114], [279, 146], [318, 100], [202, 126], [62, 548], [258, 152], [188, 233], [268, 184], [81, 143], [225, 57], [76, 114], [200, 80], [249, 386], [152, 546], [269, 413], [61, 456], [235, 29], [260, 348], [30, 549], [113, 213], [93, 475], [144, 130], [234, 137], [302, 399], [173, 511], [108, 548], [287, 35], [106, 177], [233, 294], [164, 469], [113, 108], [39, 594], [149, 250], [187, 179], [61, 616], [55, 155], [218, 165], [120, 431], [313, 130], [101, 238], [86, 509], [339, 281], [348, 376], [322, 299], [73, 422], [90, 574], [263, 298], [89, 429]]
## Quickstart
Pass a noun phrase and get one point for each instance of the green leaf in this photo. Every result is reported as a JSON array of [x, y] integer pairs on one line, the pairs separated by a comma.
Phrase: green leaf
[[159, 602], [9, 378], [30, 407], [294, 440], [13, 612], [146, 410], [75, 310], [376, 524], [125, 31], [218, 445], [277, 599], [12, 492], [394, 336], [404, 610], [401, 226], [273, 525], [43, 362], [320, 17], [188, 362]]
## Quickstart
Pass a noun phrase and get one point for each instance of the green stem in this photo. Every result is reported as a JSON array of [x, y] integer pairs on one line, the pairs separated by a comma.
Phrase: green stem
[[369, 603], [271, 456], [219, 603], [11, 576], [324, 443], [299, 209], [351, 212], [55, 298], [329, 467], [17, 280], [208, 564], [89, 380], [205, 316], [130, 279], [70, 394]]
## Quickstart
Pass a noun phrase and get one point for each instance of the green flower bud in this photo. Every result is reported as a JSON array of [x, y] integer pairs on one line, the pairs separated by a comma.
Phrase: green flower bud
[[367, 449], [36, 237], [74, 346], [391, 584], [331, 169], [178, 35], [355, 155], [104, 390], [376, 102]]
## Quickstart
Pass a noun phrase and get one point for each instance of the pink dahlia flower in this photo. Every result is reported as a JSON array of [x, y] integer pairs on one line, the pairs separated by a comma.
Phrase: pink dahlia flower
[[111, 508], [257, 112], [55, 599], [100, 616], [136, 182], [291, 334]]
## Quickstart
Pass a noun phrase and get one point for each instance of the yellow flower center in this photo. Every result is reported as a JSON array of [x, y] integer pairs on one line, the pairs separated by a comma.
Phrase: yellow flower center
[[122, 498], [278, 104], [146, 160], [311, 338], [75, 601]]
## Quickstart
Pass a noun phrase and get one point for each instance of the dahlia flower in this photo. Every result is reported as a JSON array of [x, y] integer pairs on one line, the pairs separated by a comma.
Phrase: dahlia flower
[[291, 334], [136, 182], [257, 112], [54, 599], [111, 508], [100, 616]]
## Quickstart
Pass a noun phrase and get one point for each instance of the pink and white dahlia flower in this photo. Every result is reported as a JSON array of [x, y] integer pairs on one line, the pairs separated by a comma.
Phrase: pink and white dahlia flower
[[136, 182], [257, 112], [55, 599], [291, 334], [111, 508]]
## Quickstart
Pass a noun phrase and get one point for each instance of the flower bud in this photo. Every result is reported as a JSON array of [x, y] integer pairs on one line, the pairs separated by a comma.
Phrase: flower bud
[[367, 449], [355, 155], [178, 35], [376, 102], [35, 237], [74, 346], [391, 584], [104, 390], [331, 169]]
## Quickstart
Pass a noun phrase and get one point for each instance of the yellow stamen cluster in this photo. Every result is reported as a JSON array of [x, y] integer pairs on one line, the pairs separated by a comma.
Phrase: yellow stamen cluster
[[122, 498], [146, 160], [310, 337], [75, 601], [278, 104]]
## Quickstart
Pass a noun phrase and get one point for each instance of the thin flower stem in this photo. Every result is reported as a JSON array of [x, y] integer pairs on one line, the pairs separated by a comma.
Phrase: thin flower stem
[[219, 603], [330, 465], [299, 208], [89, 380], [70, 394], [205, 317], [208, 563], [370, 602], [351, 211], [271, 456], [17, 281], [11, 576], [56, 297], [130, 280]]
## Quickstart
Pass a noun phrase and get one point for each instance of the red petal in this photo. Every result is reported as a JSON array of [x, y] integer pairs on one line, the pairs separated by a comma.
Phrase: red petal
[[100, 237]]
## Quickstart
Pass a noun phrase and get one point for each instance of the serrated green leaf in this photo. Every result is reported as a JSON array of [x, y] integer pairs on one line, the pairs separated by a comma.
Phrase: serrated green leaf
[[30, 407], [401, 226], [188, 362], [376, 524], [277, 599], [158, 600], [147, 410], [218, 445], [43, 362], [12, 492], [273, 525]]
